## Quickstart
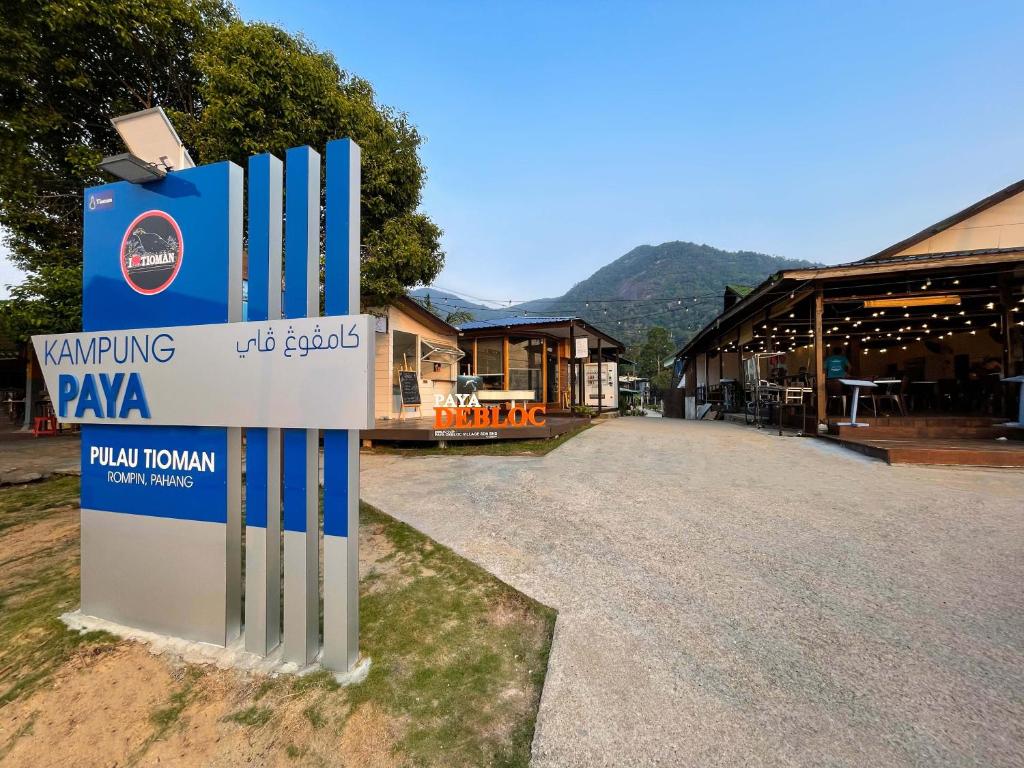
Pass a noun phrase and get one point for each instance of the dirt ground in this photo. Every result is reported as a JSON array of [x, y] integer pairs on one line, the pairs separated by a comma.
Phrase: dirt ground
[[461, 688], [24, 458], [109, 706]]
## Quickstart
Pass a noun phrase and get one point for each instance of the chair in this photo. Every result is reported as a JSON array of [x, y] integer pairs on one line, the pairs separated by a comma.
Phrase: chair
[[793, 397], [45, 424], [835, 391], [898, 397]]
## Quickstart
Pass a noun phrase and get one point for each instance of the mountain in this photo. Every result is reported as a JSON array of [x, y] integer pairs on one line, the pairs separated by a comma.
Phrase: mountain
[[678, 285], [445, 303]]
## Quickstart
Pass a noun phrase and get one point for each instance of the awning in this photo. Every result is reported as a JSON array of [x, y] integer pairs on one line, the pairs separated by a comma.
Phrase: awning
[[434, 352]]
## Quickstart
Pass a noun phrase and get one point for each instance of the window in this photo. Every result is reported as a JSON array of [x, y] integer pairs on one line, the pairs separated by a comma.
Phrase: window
[[490, 363], [467, 366], [525, 365]]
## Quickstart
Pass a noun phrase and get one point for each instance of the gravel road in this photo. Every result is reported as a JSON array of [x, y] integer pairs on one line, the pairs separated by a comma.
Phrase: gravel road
[[730, 597]]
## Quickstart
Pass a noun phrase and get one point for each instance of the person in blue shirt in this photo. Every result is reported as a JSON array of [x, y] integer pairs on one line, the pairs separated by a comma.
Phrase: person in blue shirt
[[836, 364], [837, 367]]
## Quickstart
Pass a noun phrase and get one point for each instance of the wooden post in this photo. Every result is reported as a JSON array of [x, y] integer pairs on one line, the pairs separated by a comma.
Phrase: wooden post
[[707, 384], [30, 389], [572, 367], [504, 361], [819, 355], [1010, 336], [544, 370]]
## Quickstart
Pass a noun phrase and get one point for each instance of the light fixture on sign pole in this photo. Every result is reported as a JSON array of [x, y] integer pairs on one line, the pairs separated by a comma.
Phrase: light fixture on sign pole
[[128, 167], [153, 147]]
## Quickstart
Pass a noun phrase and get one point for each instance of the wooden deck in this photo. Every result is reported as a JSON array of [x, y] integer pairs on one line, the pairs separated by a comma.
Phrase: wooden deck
[[421, 430], [972, 441]]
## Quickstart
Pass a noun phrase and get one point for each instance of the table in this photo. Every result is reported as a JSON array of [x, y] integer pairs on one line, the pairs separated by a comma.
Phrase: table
[[1019, 423], [857, 385]]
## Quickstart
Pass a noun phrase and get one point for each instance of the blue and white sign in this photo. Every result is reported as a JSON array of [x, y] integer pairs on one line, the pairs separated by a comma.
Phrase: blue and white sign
[[304, 373], [165, 377]]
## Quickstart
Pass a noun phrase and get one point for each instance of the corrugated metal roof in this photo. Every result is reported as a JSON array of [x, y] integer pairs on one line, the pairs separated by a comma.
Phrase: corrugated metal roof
[[503, 322]]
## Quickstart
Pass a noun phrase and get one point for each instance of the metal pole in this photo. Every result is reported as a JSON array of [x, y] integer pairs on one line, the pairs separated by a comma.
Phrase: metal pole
[[263, 446], [301, 447], [341, 446], [600, 399]]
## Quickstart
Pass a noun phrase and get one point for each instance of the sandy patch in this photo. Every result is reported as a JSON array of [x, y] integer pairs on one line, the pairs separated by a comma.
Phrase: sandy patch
[[109, 707], [370, 737], [22, 545], [95, 712]]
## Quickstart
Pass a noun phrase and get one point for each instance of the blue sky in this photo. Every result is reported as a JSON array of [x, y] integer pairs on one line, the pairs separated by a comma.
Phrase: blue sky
[[560, 135]]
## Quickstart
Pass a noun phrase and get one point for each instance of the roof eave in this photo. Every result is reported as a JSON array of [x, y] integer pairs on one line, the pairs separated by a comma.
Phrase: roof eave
[[972, 210]]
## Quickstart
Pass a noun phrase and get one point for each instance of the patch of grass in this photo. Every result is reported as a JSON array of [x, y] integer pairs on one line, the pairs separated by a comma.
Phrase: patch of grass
[[315, 714], [316, 681], [540, 447], [459, 658], [252, 717], [35, 588], [265, 687], [295, 752], [164, 718], [34, 501], [468, 668]]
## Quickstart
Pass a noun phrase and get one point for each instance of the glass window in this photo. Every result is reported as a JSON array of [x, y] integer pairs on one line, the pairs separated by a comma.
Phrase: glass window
[[525, 365], [467, 365], [490, 363]]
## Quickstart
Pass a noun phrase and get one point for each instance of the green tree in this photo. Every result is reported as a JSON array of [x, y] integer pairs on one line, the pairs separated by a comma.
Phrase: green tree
[[455, 317], [264, 90], [650, 354], [232, 89], [66, 68]]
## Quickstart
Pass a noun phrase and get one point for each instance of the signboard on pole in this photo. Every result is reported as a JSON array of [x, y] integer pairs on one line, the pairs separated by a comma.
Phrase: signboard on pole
[[165, 377]]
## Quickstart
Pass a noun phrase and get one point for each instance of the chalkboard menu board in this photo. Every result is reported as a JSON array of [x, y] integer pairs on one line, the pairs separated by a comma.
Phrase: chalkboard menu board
[[409, 383]]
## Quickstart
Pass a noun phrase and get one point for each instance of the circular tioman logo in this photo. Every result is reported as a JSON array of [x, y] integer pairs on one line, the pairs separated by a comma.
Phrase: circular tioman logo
[[151, 252]]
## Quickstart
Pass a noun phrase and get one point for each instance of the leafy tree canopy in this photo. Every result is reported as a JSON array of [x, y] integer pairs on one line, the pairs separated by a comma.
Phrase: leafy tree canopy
[[649, 355], [452, 317], [232, 89]]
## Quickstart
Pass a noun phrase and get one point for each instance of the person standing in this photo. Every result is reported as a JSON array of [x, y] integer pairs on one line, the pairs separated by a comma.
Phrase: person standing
[[837, 366]]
